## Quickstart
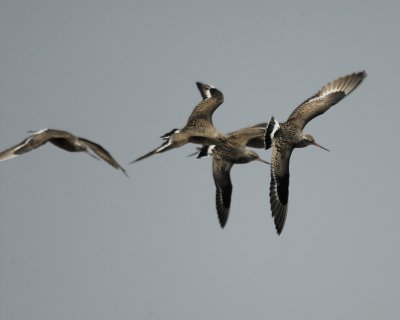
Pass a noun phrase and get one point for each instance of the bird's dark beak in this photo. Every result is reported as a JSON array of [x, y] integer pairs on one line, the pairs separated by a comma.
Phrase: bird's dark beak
[[316, 144], [193, 154], [261, 160]]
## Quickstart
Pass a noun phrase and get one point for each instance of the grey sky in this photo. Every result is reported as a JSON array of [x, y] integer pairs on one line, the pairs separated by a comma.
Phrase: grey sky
[[78, 240]]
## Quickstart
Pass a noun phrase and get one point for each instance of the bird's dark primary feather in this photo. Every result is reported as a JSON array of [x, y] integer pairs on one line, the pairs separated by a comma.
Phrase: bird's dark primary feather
[[279, 186], [222, 179]]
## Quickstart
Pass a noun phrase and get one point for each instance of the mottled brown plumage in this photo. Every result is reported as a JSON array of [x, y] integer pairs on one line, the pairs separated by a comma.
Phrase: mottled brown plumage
[[199, 128], [63, 140], [225, 156], [284, 137]]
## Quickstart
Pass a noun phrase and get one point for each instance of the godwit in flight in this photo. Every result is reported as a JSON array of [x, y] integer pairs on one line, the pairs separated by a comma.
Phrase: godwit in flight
[[199, 128], [63, 140], [284, 137]]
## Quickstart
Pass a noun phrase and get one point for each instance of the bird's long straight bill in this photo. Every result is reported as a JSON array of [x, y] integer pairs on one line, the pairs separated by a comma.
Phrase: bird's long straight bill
[[193, 154], [261, 160], [316, 144]]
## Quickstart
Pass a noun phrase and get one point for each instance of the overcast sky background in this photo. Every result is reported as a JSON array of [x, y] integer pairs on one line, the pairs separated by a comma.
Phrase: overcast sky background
[[79, 240]]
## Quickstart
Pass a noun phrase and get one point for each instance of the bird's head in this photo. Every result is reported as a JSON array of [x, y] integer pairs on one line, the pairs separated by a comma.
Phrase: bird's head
[[309, 139], [254, 156]]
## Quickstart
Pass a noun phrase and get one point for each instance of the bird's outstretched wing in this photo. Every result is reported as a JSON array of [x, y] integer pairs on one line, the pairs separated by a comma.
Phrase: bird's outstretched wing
[[205, 109], [325, 98], [279, 186], [13, 152], [223, 184], [250, 136], [167, 145], [101, 153], [35, 140]]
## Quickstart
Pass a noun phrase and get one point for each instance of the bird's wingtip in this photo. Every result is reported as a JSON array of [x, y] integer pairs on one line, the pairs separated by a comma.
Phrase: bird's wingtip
[[124, 172], [133, 161]]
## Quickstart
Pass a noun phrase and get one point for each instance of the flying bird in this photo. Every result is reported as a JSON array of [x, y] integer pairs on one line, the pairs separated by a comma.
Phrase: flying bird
[[284, 137], [199, 128], [225, 156], [63, 140]]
